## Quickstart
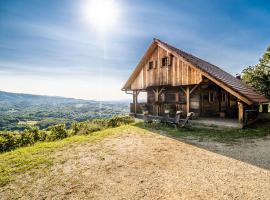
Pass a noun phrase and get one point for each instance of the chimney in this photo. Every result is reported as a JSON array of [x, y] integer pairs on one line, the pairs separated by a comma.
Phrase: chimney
[[238, 76]]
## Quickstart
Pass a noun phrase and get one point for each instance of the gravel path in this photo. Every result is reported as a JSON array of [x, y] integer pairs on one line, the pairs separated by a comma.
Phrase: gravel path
[[142, 166]]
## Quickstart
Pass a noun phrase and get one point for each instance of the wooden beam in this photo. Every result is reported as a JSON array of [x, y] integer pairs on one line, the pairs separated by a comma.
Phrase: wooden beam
[[240, 112], [228, 102], [188, 94], [194, 88], [156, 92], [183, 89], [161, 90], [219, 99], [135, 100]]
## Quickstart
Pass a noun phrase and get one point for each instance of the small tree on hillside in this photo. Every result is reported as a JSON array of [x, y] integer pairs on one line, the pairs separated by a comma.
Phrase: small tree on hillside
[[258, 76]]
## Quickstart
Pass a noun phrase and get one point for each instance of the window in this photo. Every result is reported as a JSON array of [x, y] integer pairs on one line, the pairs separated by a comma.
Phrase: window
[[165, 61], [223, 97], [211, 97], [150, 65], [170, 97]]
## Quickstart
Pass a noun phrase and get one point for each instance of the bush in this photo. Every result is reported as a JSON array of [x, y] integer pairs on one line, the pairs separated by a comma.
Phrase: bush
[[101, 122], [26, 139], [57, 132], [29, 136], [42, 135], [77, 127], [120, 120], [92, 127], [9, 140]]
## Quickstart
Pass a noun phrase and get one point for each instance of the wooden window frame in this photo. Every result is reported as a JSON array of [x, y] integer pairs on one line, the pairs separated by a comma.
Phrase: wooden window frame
[[150, 65], [165, 61]]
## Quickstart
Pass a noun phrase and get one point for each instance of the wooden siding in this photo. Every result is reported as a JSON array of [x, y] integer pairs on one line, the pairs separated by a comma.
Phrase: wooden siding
[[179, 72]]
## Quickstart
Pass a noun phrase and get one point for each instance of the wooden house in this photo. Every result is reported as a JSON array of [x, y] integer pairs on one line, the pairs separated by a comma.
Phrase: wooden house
[[176, 80]]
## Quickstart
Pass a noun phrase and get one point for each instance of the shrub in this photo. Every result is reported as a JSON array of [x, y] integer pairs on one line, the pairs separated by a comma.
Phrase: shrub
[[120, 120], [75, 127], [101, 122], [57, 132], [9, 140], [34, 132], [26, 139], [92, 127], [42, 135]]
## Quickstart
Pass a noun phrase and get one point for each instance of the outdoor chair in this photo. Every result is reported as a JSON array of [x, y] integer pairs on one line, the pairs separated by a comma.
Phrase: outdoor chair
[[166, 118], [148, 122], [186, 122], [177, 120]]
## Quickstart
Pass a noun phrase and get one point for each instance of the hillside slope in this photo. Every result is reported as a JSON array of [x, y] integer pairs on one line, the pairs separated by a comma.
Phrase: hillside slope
[[128, 163], [18, 111]]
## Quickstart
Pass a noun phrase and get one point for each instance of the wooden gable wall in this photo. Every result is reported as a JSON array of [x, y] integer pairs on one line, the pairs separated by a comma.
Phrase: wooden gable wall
[[180, 72]]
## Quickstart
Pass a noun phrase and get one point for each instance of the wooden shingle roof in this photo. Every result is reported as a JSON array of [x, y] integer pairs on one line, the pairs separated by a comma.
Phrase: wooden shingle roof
[[214, 73], [219, 74]]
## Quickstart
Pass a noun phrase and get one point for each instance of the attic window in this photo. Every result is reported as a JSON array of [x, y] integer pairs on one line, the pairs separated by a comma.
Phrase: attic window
[[165, 61], [150, 65]]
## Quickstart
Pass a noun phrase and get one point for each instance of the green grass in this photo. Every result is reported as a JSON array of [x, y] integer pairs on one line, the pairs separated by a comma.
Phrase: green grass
[[226, 135], [39, 155]]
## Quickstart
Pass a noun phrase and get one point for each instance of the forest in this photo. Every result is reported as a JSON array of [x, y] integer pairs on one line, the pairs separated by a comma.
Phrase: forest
[[20, 111]]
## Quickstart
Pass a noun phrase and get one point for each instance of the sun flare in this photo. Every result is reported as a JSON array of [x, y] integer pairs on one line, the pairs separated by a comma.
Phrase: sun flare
[[102, 14]]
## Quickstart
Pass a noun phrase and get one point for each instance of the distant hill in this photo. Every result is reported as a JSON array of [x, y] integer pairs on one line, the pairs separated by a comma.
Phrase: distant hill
[[8, 98], [18, 111]]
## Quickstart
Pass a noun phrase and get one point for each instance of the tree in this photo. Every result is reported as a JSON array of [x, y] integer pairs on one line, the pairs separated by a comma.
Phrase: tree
[[258, 76]]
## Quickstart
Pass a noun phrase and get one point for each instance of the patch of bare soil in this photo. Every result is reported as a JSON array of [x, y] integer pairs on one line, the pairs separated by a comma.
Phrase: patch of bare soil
[[142, 166]]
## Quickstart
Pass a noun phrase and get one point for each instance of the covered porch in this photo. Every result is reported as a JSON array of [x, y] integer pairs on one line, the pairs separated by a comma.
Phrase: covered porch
[[224, 111]]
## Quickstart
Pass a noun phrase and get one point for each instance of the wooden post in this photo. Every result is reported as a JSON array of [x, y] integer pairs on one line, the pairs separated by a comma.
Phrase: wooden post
[[228, 102], [240, 112], [219, 99], [135, 100], [188, 94], [157, 93], [156, 100]]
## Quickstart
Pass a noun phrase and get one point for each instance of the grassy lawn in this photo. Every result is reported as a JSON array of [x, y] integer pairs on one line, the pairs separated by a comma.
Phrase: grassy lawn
[[226, 135], [39, 156]]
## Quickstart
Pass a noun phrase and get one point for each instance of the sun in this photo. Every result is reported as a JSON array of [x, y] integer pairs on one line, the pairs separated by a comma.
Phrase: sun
[[101, 14]]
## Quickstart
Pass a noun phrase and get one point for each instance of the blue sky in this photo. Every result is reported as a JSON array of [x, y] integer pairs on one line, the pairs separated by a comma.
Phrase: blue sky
[[48, 47]]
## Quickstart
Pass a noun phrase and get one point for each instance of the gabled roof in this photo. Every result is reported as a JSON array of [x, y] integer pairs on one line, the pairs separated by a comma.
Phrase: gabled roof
[[214, 73]]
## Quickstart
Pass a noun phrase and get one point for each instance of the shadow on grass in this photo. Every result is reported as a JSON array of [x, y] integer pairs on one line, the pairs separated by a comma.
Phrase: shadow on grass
[[250, 145]]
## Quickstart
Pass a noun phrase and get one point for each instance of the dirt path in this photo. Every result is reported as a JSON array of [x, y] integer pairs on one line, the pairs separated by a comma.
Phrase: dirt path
[[142, 166]]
